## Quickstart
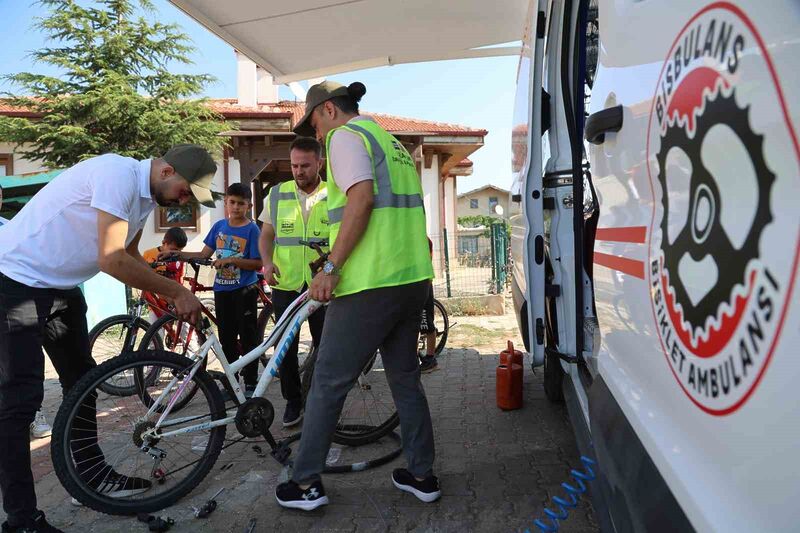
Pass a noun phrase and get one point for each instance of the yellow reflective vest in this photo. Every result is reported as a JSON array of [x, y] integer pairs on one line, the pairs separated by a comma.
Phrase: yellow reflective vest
[[286, 217], [394, 248]]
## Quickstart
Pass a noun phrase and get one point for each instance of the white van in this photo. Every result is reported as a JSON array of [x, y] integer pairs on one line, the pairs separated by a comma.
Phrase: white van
[[658, 139]]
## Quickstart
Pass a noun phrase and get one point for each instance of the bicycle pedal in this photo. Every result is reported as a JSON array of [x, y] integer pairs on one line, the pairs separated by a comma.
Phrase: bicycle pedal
[[281, 453]]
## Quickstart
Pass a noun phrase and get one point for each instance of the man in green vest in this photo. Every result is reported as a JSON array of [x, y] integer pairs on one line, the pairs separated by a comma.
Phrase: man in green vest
[[294, 211], [378, 270]]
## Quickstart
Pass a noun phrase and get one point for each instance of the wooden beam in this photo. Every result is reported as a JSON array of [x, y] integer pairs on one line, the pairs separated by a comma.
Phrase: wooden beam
[[428, 158], [443, 159]]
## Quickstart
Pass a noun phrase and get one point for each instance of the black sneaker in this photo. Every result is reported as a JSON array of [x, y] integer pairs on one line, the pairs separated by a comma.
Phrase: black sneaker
[[426, 490], [116, 485], [428, 364], [291, 496], [37, 524], [249, 390], [293, 414]]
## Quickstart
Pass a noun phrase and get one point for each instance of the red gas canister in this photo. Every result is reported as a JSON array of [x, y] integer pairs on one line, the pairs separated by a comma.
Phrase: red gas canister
[[510, 352], [509, 386]]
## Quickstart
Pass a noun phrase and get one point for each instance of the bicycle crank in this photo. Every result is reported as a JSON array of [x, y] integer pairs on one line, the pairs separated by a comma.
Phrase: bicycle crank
[[254, 417]]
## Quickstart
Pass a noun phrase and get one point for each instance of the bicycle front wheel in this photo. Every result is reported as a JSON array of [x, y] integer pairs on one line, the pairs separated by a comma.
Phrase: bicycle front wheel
[[117, 334], [107, 451]]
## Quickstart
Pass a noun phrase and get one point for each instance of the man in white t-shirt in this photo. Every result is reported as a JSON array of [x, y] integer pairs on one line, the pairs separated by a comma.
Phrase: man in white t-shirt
[[86, 220]]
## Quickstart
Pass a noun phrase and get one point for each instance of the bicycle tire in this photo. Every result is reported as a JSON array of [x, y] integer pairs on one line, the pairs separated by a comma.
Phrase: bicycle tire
[[61, 452], [170, 342], [120, 320], [441, 340], [348, 434]]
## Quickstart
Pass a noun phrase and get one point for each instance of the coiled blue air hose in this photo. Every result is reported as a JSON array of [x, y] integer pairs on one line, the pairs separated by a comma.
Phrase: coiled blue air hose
[[564, 505]]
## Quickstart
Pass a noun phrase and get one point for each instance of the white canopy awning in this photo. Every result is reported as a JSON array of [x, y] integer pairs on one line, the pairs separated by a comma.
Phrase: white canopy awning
[[304, 39]]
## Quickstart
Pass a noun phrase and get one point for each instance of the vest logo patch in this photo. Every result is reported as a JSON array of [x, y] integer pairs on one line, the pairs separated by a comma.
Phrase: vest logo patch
[[287, 226], [401, 155]]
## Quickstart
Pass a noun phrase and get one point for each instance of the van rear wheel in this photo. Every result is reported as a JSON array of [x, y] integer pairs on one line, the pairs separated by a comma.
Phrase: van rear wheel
[[553, 378]]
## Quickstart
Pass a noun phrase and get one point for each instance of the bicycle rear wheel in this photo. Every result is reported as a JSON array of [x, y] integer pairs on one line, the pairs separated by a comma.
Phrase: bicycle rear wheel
[[369, 412], [114, 335], [99, 440], [442, 323]]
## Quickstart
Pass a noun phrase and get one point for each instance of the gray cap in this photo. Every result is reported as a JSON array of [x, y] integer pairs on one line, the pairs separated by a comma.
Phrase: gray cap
[[195, 164], [316, 95]]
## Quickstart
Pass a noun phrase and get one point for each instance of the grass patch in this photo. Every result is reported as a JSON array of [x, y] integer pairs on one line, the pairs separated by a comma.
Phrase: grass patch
[[470, 335]]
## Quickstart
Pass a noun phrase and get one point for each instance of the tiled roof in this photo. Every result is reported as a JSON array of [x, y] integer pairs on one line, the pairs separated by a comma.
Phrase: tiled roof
[[229, 108], [14, 111]]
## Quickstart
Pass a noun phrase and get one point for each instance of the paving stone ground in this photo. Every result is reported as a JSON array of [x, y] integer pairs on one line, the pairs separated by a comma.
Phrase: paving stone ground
[[496, 468]]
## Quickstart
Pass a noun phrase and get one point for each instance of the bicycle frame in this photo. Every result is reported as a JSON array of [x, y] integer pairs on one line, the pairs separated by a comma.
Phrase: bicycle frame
[[281, 336]]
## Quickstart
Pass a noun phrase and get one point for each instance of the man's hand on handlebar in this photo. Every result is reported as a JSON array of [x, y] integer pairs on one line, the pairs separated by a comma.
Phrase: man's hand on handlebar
[[187, 307]]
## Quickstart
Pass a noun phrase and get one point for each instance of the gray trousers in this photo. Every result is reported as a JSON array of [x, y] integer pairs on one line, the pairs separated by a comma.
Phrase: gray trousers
[[355, 326]]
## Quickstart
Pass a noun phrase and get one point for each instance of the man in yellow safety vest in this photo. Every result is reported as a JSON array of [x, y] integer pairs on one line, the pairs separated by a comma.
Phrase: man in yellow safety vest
[[379, 271], [294, 211]]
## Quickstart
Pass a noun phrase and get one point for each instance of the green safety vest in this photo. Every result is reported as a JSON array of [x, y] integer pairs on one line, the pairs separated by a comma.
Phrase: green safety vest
[[394, 248], [291, 257]]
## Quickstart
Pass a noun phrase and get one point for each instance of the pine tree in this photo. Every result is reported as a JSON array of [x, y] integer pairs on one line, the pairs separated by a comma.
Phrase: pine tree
[[115, 92]]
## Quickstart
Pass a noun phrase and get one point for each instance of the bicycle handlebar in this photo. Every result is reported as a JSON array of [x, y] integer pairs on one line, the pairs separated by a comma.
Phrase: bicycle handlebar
[[174, 259], [316, 246]]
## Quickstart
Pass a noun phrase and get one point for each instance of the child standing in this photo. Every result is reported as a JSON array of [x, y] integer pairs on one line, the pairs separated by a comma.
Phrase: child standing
[[234, 244]]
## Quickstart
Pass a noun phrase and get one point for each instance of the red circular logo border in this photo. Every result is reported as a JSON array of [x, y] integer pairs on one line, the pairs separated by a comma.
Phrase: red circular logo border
[[790, 288]]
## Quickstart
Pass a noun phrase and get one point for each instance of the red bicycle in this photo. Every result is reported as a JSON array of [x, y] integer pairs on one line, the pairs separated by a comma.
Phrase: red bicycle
[[181, 337]]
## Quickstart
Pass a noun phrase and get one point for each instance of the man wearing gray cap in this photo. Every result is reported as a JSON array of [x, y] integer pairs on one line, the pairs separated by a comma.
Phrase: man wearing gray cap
[[379, 271], [86, 220]]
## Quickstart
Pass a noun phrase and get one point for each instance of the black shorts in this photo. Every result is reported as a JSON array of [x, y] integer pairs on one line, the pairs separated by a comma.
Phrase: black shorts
[[426, 324]]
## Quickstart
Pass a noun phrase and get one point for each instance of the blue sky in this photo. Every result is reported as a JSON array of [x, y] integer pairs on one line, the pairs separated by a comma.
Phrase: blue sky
[[477, 92]]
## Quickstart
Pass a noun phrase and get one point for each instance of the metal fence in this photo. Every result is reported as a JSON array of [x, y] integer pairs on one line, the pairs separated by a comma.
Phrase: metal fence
[[474, 261]]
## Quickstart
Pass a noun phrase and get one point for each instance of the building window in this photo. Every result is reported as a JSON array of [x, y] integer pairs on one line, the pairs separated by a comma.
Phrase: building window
[[6, 165], [473, 203], [467, 244], [492, 202], [184, 217]]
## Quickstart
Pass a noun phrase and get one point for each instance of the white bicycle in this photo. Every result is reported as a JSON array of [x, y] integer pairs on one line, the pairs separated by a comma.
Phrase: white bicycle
[[143, 452]]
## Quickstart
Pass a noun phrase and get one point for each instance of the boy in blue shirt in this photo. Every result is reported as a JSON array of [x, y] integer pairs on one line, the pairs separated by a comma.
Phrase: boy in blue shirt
[[234, 244]]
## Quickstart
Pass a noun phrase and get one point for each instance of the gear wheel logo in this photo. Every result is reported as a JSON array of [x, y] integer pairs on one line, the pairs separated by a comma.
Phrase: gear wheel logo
[[723, 242], [702, 237]]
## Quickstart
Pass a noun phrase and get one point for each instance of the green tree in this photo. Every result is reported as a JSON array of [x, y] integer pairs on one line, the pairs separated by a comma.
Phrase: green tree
[[473, 221], [115, 92]]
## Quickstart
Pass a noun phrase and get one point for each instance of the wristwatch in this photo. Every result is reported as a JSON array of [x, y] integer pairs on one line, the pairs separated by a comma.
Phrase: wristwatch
[[329, 269]]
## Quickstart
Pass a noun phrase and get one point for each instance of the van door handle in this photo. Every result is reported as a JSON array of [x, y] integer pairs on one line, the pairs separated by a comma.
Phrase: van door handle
[[602, 122]]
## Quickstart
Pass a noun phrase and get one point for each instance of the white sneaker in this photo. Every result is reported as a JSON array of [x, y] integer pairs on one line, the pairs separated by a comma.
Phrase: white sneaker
[[39, 427]]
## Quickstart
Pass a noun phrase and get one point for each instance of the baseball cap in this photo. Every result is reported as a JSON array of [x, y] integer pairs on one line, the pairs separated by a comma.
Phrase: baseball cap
[[320, 93], [195, 164]]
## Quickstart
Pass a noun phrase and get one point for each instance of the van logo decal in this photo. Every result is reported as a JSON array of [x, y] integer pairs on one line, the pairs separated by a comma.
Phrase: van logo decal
[[723, 160]]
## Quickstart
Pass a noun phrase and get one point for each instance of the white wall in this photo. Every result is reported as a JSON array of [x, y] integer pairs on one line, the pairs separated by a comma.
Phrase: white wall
[[21, 166], [449, 207], [430, 190]]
